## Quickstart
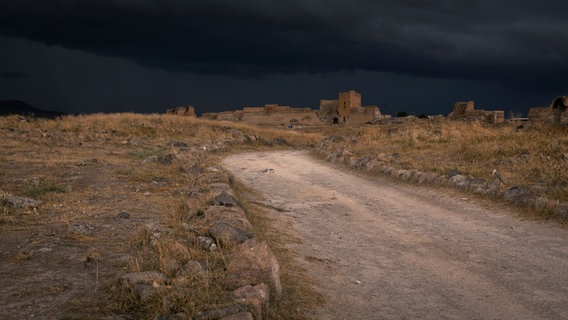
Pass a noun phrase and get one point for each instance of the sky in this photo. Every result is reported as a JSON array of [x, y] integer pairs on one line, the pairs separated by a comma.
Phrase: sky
[[417, 56]]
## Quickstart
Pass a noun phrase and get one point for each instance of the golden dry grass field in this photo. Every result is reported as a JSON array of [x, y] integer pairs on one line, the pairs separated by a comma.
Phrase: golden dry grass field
[[61, 257]]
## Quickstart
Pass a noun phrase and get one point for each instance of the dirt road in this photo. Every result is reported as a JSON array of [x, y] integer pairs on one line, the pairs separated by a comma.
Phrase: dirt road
[[381, 250]]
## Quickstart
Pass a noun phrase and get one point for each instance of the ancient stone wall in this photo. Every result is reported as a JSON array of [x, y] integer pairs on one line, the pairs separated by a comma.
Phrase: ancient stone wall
[[465, 111], [188, 111], [555, 113]]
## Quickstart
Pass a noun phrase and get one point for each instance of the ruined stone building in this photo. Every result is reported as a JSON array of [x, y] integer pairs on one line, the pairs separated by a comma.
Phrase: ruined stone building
[[465, 111], [188, 111], [347, 109], [269, 114], [555, 113]]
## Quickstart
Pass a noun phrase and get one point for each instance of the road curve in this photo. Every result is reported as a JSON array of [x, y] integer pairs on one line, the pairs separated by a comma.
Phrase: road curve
[[381, 250]]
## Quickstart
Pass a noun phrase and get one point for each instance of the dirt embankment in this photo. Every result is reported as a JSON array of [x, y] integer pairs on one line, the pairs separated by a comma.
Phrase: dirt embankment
[[379, 250]]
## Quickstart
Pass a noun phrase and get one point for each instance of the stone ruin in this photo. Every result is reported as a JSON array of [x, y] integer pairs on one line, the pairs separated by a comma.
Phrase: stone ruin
[[269, 114], [347, 109], [555, 113], [188, 111], [465, 111]]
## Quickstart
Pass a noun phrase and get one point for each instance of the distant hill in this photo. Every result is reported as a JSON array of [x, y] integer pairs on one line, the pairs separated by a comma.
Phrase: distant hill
[[8, 107]]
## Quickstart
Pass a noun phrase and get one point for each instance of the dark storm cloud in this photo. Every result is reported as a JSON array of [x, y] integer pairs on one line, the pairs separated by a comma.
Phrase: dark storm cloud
[[517, 41], [13, 74]]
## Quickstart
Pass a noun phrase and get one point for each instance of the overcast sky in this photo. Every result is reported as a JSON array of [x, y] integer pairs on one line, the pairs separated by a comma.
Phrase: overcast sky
[[418, 56]]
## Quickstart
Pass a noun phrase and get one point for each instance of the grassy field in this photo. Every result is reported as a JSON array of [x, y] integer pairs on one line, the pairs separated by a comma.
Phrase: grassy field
[[531, 156], [68, 252]]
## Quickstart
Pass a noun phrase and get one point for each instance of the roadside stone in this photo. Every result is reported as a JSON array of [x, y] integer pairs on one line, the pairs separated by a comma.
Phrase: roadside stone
[[452, 173], [562, 210], [461, 182], [225, 233], [518, 195], [253, 263], [226, 200], [256, 298]]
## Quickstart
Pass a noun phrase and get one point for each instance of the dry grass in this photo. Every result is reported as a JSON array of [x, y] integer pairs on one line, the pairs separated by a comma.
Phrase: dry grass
[[85, 170], [535, 156]]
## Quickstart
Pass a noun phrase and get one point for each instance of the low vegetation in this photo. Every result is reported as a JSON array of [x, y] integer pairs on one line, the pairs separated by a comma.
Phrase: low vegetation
[[533, 156], [123, 193]]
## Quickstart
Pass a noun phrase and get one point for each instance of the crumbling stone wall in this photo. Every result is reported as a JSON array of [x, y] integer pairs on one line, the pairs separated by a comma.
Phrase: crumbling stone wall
[[347, 109], [555, 113], [465, 111], [188, 111]]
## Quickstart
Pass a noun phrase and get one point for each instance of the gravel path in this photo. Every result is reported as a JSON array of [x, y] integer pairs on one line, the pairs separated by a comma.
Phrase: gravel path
[[381, 250]]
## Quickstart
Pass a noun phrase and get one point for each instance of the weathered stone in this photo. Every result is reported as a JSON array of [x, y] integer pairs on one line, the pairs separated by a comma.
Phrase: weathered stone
[[226, 233], [87, 162], [461, 182], [518, 195], [220, 187], [253, 263], [226, 200], [177, 144], [165, 159], [123, 215], [256, 298], [452, 173], [562, 210], [18, 202], [205, 242]]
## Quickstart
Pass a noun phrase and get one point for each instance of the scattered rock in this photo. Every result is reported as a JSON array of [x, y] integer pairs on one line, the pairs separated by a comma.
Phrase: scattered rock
[[177, 144], [87, 162], [205, 242], [518, 195], [256, 298], [165, 159], [452, 173], [145, 284], [269, 170], [253, 263], [225, 233], [147, 193], [18, 202], [83, 228], [123, 215], [461, 182], [226, 200], [279, 141], [334, 139]]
